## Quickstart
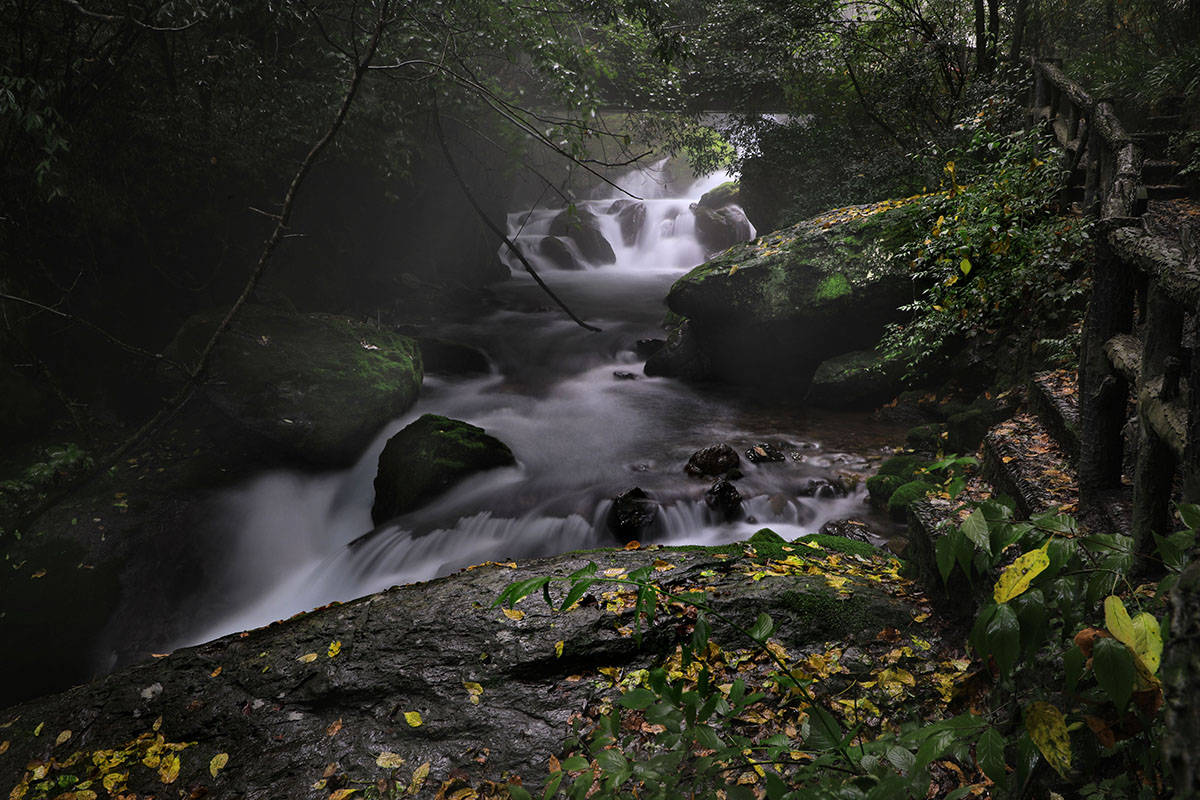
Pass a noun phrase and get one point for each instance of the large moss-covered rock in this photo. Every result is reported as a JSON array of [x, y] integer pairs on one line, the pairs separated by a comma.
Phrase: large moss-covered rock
[[906, 495], [427, 458], [721, 228], [728, 193], [316, 386], [767, 312], [859, 379]]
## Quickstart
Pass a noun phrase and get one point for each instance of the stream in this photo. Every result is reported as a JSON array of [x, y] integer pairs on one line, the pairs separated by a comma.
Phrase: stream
[[584, 422]]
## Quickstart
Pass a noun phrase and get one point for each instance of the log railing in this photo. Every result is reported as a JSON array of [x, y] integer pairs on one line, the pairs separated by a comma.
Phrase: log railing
[[1132, 347]]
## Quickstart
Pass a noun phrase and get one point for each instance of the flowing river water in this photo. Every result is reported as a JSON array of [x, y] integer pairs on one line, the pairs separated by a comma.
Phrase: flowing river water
[[584, 423]]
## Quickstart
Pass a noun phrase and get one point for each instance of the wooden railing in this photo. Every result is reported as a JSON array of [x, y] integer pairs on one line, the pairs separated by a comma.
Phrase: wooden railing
[[1132, 346]]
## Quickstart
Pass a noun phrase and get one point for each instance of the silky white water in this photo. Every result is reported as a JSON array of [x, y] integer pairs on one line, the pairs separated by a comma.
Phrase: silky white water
[[581, 434]]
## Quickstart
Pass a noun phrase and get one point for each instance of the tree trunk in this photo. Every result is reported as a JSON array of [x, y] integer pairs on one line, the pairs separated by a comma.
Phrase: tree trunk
[[1020, 17], [981, 65]]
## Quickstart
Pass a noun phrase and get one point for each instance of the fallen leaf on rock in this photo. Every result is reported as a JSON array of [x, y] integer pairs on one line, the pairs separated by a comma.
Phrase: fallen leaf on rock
[[168, 768], [215, 672], [307, 658], [389, 760], [342, 794], [413, 718], [513, 613], [558, 648], [473, 689], [662, 566], [217, 763], [418, 778], [4, 746], [62, 737], [614, 572], [334, 648], [334, 727]]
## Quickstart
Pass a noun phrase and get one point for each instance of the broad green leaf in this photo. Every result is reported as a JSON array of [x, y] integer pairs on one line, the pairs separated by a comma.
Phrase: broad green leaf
[[1117, 620], [989, 752], [1148, 643], [1003, 637], [1190, 514], [975, 528], [517, 792], [1073, 663], [944, 554], [1048, 730], [965, 266], [611, 761], [762, 628], [638, 699], [824, 732], [1113, 664], [574, 764], [901, 758], [935, 747], [1017, 576]]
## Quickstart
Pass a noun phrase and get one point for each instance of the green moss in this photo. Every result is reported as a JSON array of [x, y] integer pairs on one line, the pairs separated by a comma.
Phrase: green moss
[[833, 287], [926, 437], [840, 544], [906, 495], [906, 465], [821, 611], [880, 488]]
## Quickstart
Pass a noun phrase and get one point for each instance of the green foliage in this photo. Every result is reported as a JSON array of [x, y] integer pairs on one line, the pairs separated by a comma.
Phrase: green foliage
[[59, 465], [996, 251]]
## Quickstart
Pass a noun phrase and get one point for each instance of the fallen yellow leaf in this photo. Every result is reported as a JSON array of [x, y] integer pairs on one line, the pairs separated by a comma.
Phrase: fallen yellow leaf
[[473, 689], [62, 737], [215, 672], [334, 648], [217, 763], [413, 718], [334, 727], [418, 778], [389, 760], [558, 648], [513, 613], [614, 572], [4, 746], [307, 658], [342, 794], [168, 768]]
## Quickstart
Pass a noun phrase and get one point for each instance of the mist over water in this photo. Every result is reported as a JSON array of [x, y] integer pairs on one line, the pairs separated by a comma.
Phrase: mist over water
[[581, 435]]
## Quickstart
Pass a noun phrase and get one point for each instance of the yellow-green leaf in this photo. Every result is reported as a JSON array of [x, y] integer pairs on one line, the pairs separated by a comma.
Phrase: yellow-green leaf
[[1148, 644], [1018, 575], [218, 763], [334, 648], [307, 658], [1117, 620], [413, 718], [965, 266], [62, 737], [168, 768], [114, 781], [389, 760], [558, 648], [473, 689], [1048, 730], [418, 778], [342, 794], [513, 613]]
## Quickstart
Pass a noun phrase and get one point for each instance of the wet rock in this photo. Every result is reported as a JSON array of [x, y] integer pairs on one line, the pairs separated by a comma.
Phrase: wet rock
[[583, 227], [631, 215], [681, 357], [711, 461], [927, 438], [648, 347], [824, 489], [316, 386], [857, 380], [906, 495], [443, 357], [764, 453], [724, 498], [768, 312], [848, 529], [632, 515], [556, 251], [720, 229], [427, 458], [623, 375], [727, 194], [412, 648]]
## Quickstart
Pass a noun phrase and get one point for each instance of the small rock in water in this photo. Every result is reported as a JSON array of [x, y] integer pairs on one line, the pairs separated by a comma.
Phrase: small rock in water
[[824, 489], [716, 459], [763, 453], [724, 498], [848, 529], [632, 515], [622, 375], [648, 347]]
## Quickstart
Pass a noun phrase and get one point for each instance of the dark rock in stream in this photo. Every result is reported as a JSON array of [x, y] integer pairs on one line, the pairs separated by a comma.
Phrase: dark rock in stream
[[824, 489], [631, 215], [427, 458], [764, 453], [334, 686], [556, 251], [848, 529], [624, 375], [632, 515], [711, 461], [583, 228], [443, 357], [719, 229], [724, 498], [648, 347]]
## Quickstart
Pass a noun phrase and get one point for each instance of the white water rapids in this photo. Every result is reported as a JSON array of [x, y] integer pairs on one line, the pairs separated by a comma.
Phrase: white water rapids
[[581, 436]]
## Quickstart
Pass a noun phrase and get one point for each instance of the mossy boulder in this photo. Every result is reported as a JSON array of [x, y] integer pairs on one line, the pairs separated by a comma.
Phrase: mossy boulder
[[427, 458], [927, 438], [718, 229], [728, 193], [880, 488], [583, 227], [859, 379], [317, 387], [905, 465], [768, 312], [906, 495]]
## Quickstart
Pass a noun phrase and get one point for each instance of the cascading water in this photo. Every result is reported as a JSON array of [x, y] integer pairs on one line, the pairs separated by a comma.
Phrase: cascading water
[[583, 422]]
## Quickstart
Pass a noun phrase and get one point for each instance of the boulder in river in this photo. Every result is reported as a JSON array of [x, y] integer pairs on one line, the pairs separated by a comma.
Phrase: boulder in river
[[848, 529], [556, 251], [631, 215], [317, 386], [427, 458], [682, 356], [724, 498], [765, 313], [711, 461], [632, 515], [444, 357], [728, 193], [719, 229], [764, 453], [583, 227]]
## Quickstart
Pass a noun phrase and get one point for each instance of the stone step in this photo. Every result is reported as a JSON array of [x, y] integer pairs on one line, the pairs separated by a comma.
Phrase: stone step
[[1160, 171], [1054, 397], [1022, 460], [1154, 144], [1166, 122], [1167, 191]]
